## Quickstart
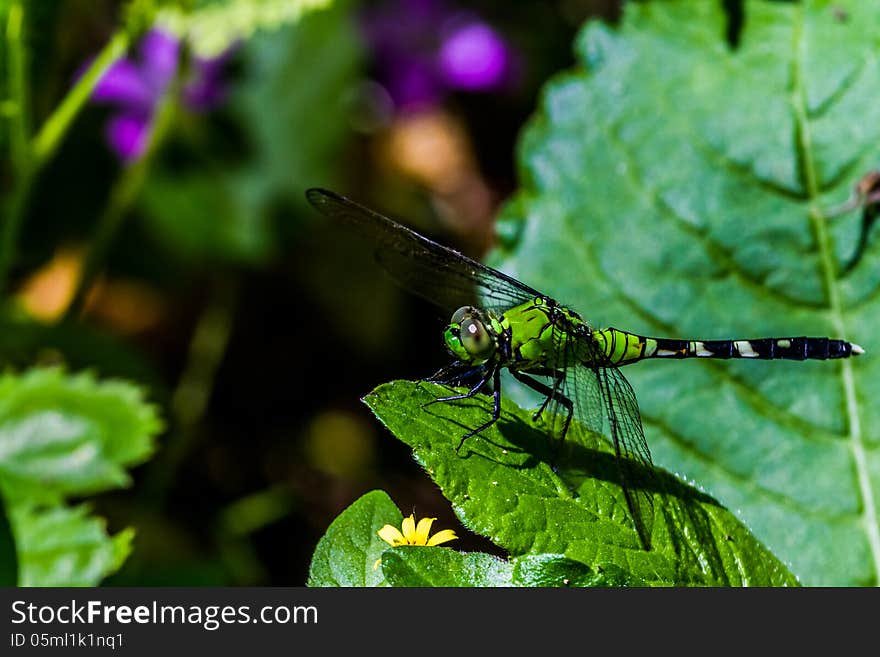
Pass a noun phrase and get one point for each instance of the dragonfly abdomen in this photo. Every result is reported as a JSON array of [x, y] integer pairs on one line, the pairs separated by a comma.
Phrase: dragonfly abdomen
[[623, 348]]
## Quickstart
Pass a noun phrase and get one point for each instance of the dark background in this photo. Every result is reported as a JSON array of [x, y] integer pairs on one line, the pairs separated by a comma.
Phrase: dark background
[[258, 362]]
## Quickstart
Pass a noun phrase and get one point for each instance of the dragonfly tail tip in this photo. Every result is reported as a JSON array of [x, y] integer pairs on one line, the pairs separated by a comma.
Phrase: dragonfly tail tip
[[856, 349]]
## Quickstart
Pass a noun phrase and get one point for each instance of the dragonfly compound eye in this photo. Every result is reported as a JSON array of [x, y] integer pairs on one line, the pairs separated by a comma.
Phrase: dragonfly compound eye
[[461, 313], [476, 339]]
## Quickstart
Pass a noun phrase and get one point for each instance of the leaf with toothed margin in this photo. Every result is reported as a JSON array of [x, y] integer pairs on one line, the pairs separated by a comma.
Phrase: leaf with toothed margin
[[65, 546], [62, 436], [502, 487], [673, 186]]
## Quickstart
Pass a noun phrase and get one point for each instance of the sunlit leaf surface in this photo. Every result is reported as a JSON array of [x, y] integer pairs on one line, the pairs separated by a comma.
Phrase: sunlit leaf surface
[[674, 186]]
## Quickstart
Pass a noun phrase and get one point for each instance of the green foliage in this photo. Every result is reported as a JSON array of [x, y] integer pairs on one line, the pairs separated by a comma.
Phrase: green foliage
[[502, 486], [223, 211], [438, 566], [26, 341], [352, 554], [413, 565], [201, 216], [293, 101], [556, 570], [64, 436], [347, 553], [683, 185], [65, 546], [8, 553], [212, 26]]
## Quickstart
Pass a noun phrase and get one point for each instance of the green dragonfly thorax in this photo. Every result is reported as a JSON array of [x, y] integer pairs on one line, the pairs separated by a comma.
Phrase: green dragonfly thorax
[[542, 335], [522, 338]]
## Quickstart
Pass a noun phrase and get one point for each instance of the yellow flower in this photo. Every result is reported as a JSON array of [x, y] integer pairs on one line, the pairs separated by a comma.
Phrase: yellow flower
[[413, 534]]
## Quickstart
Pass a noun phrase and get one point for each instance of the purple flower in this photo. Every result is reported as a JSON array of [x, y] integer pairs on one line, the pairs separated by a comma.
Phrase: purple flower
[[473, 56], [205, 88], [135, 87], [425, 48]]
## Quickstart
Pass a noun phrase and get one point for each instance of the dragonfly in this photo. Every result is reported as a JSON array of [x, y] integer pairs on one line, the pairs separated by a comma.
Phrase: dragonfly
[[500, 323]]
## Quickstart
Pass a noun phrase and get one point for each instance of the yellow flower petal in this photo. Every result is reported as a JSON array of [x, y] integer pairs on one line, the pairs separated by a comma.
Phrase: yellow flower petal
[[411, 533], [376, 563], [422, 531], [391, 535], [442, 537], [409, 529]]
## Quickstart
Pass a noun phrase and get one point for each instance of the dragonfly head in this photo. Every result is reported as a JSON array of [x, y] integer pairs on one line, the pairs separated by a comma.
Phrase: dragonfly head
[[470, 335]]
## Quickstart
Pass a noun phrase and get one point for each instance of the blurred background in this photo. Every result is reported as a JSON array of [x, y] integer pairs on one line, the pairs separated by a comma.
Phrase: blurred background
[[166, 240]]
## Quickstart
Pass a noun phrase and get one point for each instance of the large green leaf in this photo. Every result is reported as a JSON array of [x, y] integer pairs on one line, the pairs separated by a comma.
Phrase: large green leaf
[[676, 187], [502, 486]]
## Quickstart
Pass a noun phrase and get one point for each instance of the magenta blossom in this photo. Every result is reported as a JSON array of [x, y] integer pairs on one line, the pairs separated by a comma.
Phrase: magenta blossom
[[426, 48], [473, 56], [135, 87]]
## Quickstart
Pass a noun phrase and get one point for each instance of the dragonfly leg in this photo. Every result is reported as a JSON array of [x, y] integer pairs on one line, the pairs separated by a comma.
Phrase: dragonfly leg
[[551, 393], [465, 395], [496, 408], [451, 373], [554, 393]]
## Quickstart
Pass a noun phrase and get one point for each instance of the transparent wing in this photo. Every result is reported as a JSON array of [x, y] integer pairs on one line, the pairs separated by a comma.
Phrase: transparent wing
[[435, 272], [633, 456], [599, 392]]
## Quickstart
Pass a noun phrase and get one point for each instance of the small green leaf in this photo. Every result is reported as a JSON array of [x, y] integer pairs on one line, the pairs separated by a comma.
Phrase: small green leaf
[[8, 553], [414, 565], [348, 552], [63, 435], [62, 546], [502, 486]]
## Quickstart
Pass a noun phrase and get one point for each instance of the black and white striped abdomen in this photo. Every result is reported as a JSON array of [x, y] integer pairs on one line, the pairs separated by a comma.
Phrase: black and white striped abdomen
[[802, 348]]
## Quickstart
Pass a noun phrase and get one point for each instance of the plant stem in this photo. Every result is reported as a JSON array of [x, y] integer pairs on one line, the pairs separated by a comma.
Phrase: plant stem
[[206, 349], [189, 401], [123, 195], [16, 65], [50, 135], [18, 137], [29, 158], [124, 192]]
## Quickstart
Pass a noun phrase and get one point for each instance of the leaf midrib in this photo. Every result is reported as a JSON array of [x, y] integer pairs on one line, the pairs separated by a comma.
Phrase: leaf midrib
[[827, 271]]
